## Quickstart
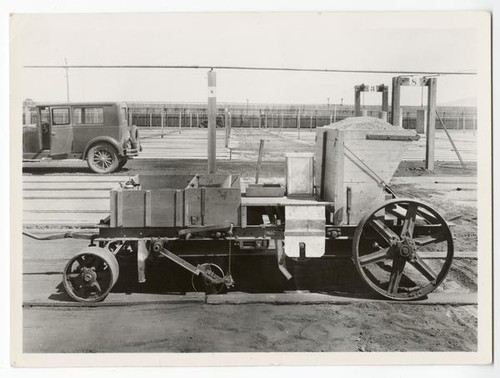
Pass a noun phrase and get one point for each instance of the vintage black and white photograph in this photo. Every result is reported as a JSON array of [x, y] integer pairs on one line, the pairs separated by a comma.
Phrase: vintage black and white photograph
[[270, 184]]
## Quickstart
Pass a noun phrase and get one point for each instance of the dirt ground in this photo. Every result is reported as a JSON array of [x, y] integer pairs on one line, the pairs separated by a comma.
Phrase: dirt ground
[[363, 327]]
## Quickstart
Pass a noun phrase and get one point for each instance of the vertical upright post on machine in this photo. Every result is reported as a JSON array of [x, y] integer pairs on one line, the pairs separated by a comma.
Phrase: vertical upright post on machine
[[212, 110], [431, 123], [396, 101]]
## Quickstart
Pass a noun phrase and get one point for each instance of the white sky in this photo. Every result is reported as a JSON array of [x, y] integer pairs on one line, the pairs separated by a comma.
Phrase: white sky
[[306, 40]]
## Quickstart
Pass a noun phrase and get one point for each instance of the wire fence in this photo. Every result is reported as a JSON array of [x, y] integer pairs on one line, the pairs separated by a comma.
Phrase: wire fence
[[277, 118], [284, 119]]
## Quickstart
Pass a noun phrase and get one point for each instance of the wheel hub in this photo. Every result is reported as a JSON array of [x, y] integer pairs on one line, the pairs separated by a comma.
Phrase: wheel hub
[[89, 275], [406, 249]]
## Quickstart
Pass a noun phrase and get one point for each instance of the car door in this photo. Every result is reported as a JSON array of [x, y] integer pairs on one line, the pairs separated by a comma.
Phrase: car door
[[61, 131]]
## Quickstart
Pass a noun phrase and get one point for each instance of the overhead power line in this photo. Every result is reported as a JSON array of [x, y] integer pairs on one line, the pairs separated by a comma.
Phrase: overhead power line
[[247, 68]]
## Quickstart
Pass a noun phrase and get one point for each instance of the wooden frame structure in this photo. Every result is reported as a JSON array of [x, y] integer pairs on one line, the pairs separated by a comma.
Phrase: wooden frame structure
[[418, 81], [384, 89]]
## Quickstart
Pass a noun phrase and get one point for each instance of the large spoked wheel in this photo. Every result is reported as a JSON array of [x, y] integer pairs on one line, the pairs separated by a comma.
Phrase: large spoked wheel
[[102, 158], [392, 246], [90, 275], [202, 283]]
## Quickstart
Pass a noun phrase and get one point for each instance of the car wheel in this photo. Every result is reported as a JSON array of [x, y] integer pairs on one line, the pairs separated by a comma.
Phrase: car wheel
[[122, 163], [102, 158]]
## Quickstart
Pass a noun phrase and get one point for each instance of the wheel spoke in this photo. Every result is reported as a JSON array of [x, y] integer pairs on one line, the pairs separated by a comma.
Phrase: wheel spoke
[[409, 222], [80, 260], [424, 269], [431, 239], [398, 266], [428, 217], [96, 286], [374, 257], [73, 276], [384, 231]]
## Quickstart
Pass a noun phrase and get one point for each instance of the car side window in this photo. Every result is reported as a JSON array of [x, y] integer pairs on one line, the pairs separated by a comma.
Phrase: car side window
[[84, 115], [60, 116]]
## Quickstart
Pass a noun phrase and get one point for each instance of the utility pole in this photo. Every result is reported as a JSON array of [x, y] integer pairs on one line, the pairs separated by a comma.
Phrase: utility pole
[[212, 119], [67, 79]]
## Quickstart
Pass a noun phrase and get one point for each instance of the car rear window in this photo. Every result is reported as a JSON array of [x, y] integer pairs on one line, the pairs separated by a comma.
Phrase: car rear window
[[86, 115]]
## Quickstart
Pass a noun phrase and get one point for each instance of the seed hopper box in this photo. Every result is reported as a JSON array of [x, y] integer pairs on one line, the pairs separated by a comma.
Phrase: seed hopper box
[[177, 201]]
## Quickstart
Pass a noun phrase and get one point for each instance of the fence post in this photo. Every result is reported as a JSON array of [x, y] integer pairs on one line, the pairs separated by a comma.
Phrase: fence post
[[226, 127], [298, 123], [197, 120], [162, 118], [180, 119], [150, 119], [190, 119], [265, 120]]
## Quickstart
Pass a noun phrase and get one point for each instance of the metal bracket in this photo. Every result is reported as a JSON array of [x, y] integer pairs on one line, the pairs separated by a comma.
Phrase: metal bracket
[[198, 230], [281, 259], [392, 137], [179, 261]]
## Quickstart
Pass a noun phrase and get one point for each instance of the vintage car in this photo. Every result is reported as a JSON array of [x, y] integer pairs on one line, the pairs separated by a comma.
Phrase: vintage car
[[96, 132]]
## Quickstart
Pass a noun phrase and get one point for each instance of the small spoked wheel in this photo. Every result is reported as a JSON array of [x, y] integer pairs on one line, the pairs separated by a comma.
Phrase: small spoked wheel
[[102, 158], [90, 275], [202, 283], [403, 250]]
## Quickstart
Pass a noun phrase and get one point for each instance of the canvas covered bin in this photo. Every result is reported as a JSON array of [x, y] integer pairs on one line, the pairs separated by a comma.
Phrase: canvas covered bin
[[177, 201]]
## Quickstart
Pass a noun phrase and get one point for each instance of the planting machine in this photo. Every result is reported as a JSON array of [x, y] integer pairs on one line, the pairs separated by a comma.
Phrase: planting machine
[[334, 200]]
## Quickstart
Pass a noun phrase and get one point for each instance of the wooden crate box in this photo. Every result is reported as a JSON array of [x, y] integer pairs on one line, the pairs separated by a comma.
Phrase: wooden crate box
[[177, 201]]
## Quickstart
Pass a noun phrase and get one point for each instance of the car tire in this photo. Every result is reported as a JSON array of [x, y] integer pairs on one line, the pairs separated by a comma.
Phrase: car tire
[[102, 158], [122, 163]]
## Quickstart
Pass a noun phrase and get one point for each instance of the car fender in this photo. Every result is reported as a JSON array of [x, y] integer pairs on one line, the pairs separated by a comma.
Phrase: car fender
[[105, 139]]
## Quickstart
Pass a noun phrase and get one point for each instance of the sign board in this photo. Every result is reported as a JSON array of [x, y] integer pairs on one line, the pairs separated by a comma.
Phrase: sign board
[[414, 81]]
